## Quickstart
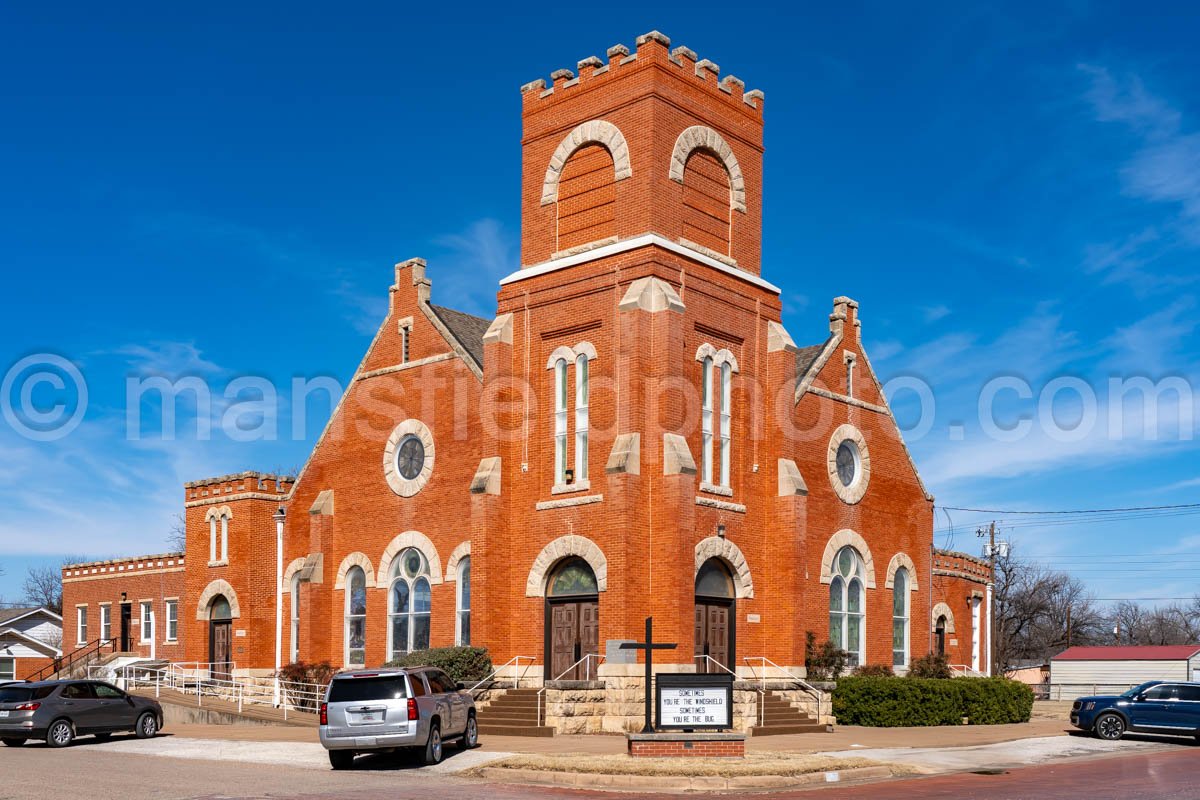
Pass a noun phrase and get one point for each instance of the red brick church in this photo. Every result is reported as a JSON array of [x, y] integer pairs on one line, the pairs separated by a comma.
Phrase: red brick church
[[633, 434]]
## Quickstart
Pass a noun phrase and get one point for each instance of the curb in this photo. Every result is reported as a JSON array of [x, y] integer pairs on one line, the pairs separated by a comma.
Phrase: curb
[[678, 783]]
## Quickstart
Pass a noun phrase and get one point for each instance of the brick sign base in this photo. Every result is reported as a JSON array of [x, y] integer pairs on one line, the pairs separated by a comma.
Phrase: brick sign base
[[686, 745]]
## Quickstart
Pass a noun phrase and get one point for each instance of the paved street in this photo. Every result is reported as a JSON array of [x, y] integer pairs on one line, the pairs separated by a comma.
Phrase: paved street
[[118, 771]]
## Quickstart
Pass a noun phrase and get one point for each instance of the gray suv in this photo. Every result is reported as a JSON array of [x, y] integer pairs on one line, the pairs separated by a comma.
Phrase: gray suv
[[58, 711], [387, 709]]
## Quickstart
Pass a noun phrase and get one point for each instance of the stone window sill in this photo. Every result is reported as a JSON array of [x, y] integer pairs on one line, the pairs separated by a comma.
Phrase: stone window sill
[[569, 488], [712, 488], [218, 563]]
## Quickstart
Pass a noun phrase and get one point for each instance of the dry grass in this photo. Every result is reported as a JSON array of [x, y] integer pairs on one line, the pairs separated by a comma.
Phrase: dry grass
[[785, 764], [1052, 709]]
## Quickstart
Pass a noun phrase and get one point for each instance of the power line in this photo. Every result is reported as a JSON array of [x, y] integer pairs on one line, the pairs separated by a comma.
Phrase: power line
[[1077, 511]]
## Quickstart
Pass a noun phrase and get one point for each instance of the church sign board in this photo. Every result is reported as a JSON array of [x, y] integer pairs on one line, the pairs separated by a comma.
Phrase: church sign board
[[692, 702]]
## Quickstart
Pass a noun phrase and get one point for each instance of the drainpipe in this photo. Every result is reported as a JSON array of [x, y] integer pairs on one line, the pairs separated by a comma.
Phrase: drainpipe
[[279, 516], [988, 629]]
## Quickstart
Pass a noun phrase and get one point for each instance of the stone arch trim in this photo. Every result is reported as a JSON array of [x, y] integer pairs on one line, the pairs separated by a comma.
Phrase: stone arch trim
[[731, 554], [596, 131], [702, 137], [456, 555], [218, 512], [942, 610], [837, 542], [901, 560], [399, 545], [290, 572], [719, 357], [571, 354], [213, 589], [557, 550], [355, 559]]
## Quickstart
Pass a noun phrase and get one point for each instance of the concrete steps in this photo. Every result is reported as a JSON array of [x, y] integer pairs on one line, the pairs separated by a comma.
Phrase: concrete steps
[[514, 713], [779, 717]]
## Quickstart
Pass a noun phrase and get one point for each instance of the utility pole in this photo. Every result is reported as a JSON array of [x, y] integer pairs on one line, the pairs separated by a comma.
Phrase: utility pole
[[990, 628]]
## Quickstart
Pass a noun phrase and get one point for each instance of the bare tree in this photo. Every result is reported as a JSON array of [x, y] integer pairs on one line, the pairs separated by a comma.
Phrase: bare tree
[[177, 536], [43, 587], [1177, 623], [1040, 612]]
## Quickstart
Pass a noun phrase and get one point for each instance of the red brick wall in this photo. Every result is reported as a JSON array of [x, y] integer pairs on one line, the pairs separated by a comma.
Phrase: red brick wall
[[24, 668], [669, 749], [153, 578]]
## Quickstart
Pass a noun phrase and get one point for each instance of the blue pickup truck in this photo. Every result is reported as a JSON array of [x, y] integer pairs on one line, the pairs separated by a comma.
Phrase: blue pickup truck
[[1161, 707]]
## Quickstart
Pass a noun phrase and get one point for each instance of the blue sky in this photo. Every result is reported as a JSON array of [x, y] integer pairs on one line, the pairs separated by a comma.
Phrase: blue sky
[[1007, 190]]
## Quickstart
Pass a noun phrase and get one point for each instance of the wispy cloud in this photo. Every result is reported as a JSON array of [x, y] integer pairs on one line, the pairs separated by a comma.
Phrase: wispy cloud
[[1162, 170], [467, 272], [935, 313]]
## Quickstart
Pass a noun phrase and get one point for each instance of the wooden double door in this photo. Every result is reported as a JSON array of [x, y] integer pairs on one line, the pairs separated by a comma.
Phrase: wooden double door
[[573, 631], [714, 634]]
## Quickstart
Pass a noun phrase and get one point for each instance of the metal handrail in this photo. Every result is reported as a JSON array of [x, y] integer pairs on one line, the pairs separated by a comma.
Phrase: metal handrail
[[585, 659], [817, 694], [65, 662], [297, 695], [761, 693], [515, 660]]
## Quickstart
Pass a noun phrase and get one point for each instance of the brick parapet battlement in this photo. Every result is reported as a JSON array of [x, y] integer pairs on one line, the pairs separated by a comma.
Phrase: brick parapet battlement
[[654, 47], [949, 562], [164, 562], [239, 483]]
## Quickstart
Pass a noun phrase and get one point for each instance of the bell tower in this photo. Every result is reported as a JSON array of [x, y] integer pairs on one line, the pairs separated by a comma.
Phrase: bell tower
[[649, 142]]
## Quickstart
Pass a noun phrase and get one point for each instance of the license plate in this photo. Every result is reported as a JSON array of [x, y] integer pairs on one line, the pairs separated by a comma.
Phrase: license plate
[[374, 716], [3, 713]]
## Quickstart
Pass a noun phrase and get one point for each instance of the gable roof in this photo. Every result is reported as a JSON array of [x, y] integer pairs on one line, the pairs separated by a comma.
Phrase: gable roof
[[466, 328], [805, 356], [31, 640], [1170, 652], [11, 615]]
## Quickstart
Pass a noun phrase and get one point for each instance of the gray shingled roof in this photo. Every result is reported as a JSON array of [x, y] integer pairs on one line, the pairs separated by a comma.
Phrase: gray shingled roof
[[12, 613], [466, 328], [805, 357]]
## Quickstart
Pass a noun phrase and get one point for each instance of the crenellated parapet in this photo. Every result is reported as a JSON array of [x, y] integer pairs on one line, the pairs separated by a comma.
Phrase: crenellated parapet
[[649, 46], [261, 484]]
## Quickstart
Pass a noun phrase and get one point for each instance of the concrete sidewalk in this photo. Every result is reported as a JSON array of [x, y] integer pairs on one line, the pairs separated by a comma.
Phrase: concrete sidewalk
[[843, 738]]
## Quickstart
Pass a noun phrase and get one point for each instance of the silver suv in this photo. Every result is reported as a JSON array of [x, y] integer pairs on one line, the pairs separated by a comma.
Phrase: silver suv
[[387, 709]]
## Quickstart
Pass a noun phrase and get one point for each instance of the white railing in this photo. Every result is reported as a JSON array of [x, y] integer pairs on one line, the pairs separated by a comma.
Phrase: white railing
[[196, 678], [1070, 691], [963, 671], [710, 662], [515, 663], [763, 663], [586, 661]]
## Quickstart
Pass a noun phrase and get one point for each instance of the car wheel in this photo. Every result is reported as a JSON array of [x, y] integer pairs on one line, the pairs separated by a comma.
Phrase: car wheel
[[60, 733], [1110, 727], [13, 741], [470, 737], [433, 747], [341, 759], [147, 726]]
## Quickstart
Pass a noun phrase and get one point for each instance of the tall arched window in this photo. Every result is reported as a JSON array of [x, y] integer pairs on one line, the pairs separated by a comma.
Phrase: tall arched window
[[294, 652], [726, 419], [847, 606], [408, 604], [560, 422], [581, 417], [939, 632], [706, 420], [900, 618], [356, 617], [566, 471], [225, 538], [463, 637], [212, 539]]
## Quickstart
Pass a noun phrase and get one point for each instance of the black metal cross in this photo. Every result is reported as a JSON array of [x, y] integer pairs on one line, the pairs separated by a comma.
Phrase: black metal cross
[[649, 646]]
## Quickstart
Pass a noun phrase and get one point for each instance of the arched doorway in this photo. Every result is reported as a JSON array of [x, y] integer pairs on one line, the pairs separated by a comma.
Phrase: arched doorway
[[715, 605], [572, 621], [939, 633], [220, 638]]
